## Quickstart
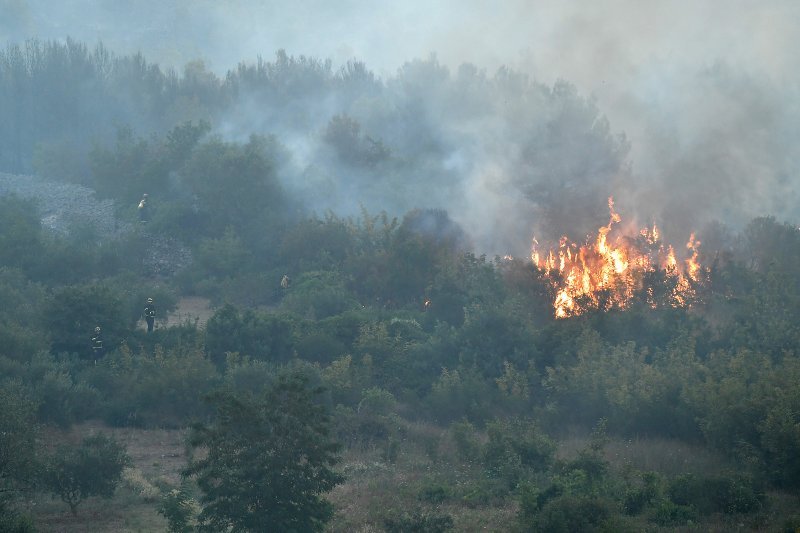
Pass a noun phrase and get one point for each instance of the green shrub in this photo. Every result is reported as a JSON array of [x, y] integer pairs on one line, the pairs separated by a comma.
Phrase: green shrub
[[92, 469], [484, 491], [434, 494], [12, 521], [638, 496], [244, 374], [418, 522], [18, 440], [516, 449], [465, 438], [73, 312], [269, 460], [669, 514], [574, 514], [62, 401], [20, 233], [462, 393], [373, 423], [263, 336], [155, 389], [319, 346], [19, 342], [717, 494], [318, 295], [180, 510], [345, 379], [377, 402]]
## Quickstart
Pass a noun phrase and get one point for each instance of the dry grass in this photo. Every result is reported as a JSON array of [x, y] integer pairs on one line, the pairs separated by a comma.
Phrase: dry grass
[[670, 457], [376, 489], [158, 456], [191, 308]]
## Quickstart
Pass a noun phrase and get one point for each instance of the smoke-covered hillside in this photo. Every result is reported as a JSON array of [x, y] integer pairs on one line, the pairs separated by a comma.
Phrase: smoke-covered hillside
[[425, 310], [704, 94], [506, 156]]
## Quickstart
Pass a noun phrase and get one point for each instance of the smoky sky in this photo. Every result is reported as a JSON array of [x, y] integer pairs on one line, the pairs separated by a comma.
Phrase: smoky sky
[[706, 93]]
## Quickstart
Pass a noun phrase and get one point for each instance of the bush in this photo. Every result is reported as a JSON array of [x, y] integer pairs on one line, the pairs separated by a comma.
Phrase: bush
[[418, 522], [263, 336], [434, 494], [485, 491], [669, 514], [466, 440], [716, 494], [18, 436], [92, 469], [20, 233], [461, 393], [345, 380], [134, 480], [637, 497], [13, 522], [572, 514], [74, 311], [62, 401], [318, 295], [516, 449], [158, 389], [243, 374], [180, 510], [269, 460]]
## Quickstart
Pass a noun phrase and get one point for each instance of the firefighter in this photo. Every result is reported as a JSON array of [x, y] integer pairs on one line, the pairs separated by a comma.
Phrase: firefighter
[[97, 344], [150, 314], [144, 209]]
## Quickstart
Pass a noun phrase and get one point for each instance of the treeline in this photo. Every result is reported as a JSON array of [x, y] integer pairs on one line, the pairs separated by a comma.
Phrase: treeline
[[415, 139]]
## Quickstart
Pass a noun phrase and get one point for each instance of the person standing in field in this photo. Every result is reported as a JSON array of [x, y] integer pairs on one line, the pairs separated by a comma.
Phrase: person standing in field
[[150, 314], [144, 209], [97, 344]]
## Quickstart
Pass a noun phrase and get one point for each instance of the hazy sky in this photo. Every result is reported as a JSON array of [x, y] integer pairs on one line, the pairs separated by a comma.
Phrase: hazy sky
[[594, 43], [628, 53]]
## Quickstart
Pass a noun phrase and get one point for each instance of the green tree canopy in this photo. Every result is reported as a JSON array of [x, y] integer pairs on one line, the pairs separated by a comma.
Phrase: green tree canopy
[[17, 439], [268, 460], [74, 311], [92, 469]]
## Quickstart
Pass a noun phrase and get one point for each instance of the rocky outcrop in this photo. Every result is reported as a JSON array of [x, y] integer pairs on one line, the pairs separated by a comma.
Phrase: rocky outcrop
[[64, 206]]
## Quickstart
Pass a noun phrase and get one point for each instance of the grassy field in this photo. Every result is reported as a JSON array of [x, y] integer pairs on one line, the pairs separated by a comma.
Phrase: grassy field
[[158, 456], [422, 477]]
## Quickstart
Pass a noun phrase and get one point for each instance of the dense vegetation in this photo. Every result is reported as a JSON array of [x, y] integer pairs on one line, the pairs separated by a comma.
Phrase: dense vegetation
[[421, 347]]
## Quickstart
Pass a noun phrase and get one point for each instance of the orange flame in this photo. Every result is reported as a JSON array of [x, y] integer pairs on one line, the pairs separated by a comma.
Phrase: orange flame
[[608, 273]]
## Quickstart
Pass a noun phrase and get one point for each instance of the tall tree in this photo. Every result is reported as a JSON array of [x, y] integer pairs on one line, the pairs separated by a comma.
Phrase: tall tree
[[268, 461]]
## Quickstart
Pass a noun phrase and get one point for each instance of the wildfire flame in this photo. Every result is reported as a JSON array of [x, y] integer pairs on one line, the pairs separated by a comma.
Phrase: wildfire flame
[[608, 273]]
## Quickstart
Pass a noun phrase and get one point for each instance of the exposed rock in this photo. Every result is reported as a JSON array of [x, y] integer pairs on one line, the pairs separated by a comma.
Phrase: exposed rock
[[64, 206]]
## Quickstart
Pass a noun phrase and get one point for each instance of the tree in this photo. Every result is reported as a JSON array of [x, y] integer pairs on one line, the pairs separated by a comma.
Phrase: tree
[[20, 233], [17, 440], [92, 469], [74, 311], [264, 336], [236, 185], [267, 461]]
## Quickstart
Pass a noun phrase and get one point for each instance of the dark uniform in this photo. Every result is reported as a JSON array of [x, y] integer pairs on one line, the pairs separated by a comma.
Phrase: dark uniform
[[97, 344], [150, 314]]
